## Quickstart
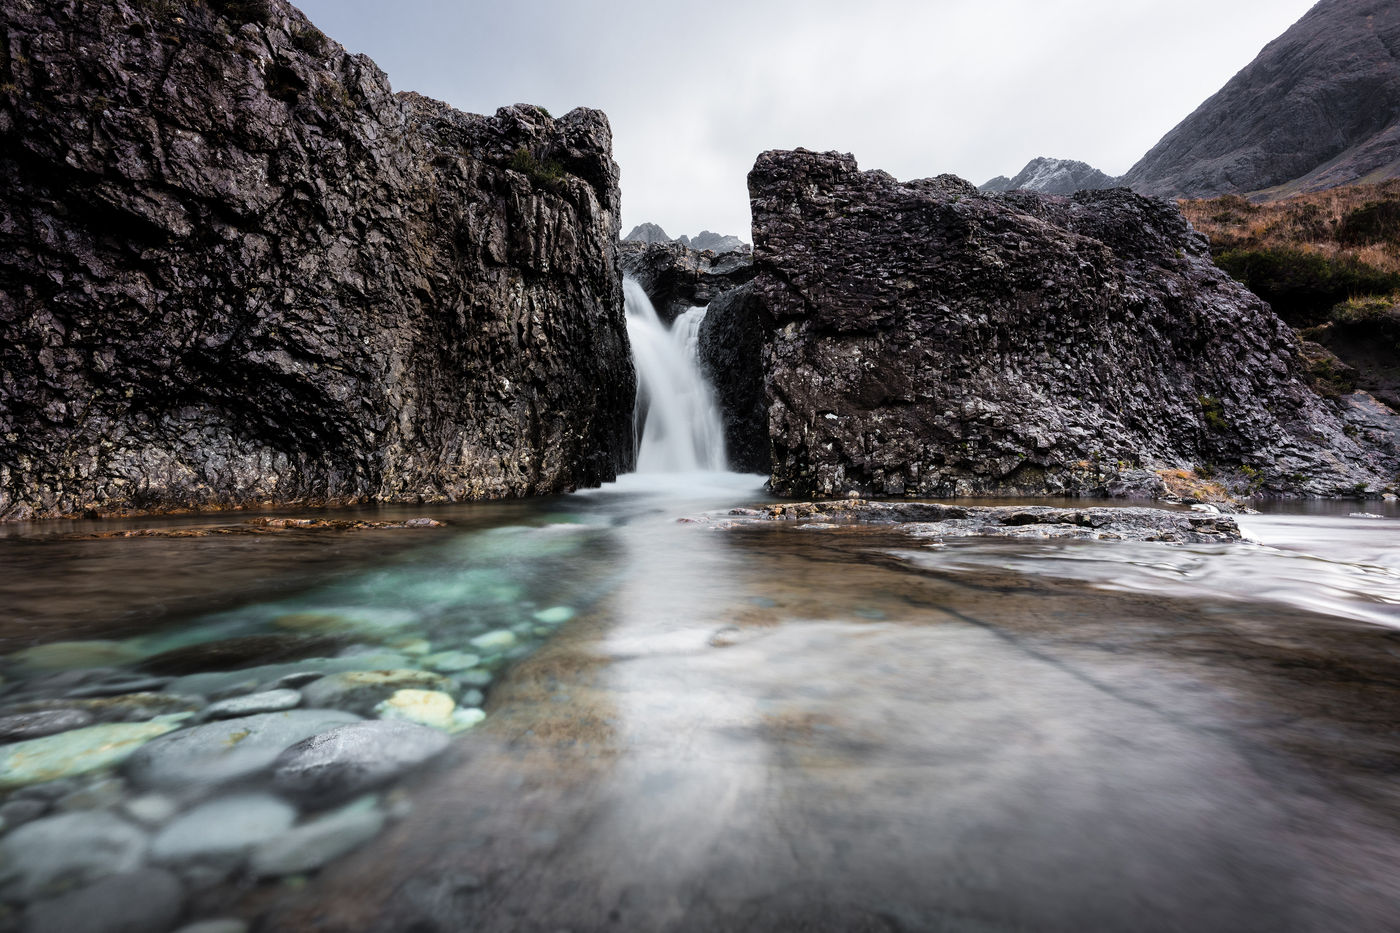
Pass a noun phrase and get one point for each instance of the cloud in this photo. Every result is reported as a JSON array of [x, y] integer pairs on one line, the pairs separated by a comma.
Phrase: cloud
[[695, 91]]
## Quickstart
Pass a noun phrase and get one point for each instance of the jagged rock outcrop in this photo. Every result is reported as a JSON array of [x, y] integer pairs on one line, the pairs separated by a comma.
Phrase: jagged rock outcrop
[[731, 354], [927, 339], [1319, 107], [1052, 176], [676, 277], [647, 233], [236, 268]]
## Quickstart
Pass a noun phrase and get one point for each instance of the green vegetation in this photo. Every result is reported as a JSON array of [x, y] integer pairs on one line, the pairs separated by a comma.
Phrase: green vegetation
[[1213, 413], [547, 174], [1303, 286]]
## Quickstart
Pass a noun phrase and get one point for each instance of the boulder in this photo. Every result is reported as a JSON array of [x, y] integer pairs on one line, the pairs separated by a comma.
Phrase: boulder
[[925, 339], [229, 750], [146, 901], [57, 852], [350, 760]]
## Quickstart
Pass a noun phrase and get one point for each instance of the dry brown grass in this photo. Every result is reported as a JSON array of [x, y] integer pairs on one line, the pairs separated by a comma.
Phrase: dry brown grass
[[1312, 223]]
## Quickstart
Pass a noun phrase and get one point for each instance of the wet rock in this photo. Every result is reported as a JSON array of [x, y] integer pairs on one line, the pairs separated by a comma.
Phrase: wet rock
[[554, 615], [96, 796], [223, 830], [362, 621], [233, 653], [464, 719], [216, 925], [359, 691], [316, 843], [270, 701], [40, 723], [151, 809], [134, 707], [425, 707], [18, 812], [72, 753], [448, 662], [1018, 344], [315, 294], [69, 655], [120, 687], [353, 759], [496, 641], [72, 848], [730, 345], [475, 678], [928, 519], [211, 683], [225, 751], [146, 901]]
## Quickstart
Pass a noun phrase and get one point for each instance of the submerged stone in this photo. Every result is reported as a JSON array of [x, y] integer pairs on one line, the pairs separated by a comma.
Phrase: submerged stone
[[359, 691], [464, 719], [449, 662], [496, 641], [71, 655], [40, 723], [145, 901], [425, 707], [270, 701], [224, 829], [228, 750], [72, 848], [213, 682], [80, 751], [555, 615], [356, 621], [232, 653], [353, 759], [314, 844]]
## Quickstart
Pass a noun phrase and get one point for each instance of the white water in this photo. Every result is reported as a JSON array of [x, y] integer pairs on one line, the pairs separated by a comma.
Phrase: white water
[[680, 429]]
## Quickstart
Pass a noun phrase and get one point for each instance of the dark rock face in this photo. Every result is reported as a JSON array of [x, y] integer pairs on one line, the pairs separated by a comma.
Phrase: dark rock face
[[236, 268], [731, 353], [926, 339], [676, 277], [1319, 107], [1052, 176]]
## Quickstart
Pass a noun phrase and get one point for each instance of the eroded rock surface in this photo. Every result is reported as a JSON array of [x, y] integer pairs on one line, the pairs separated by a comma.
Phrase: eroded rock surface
[[930, 340], [237, 268], [731, 355], [677, 278]]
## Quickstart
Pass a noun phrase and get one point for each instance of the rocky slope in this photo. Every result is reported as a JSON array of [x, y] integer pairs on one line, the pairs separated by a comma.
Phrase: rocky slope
[[236, 268], [1319, 107], [926, 339], [1052, 176], [677, 278]]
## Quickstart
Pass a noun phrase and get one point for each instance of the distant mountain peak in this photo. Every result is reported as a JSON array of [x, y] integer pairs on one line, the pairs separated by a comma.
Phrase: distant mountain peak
[[1052, 176], [648, 233]]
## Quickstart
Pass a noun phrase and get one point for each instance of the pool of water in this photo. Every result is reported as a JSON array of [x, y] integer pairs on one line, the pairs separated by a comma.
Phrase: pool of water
[[781, 728]]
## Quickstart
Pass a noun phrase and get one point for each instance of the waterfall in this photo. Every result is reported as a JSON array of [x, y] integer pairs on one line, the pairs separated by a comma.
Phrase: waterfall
[[677, 422]]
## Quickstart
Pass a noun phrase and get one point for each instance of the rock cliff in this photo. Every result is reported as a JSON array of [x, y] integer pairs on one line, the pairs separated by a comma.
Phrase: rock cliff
[[927, 339], [731, 354], [237, 269], [1319, 107]]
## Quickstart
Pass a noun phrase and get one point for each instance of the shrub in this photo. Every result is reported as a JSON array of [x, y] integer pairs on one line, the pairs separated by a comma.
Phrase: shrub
[[548, 174], [1301, 285], [1376, 222]]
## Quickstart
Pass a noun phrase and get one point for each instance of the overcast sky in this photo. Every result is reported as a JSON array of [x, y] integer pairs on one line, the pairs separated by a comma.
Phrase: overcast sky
[[696, 90]]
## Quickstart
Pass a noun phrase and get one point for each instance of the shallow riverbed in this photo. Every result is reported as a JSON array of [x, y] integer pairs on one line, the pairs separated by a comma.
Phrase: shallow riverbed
[[787, 728]]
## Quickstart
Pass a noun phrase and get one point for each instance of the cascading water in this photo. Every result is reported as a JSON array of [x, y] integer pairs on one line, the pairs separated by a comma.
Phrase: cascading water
[[677, 422]]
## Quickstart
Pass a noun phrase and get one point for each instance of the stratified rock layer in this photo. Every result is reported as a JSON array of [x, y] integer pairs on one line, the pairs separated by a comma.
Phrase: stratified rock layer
[[926, 339], [1319, 107], [236, 268]]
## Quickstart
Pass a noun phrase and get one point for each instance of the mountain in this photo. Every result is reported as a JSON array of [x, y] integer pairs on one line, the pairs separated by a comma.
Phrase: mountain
[[1319, 107], [650, 233], [707, 239], [647, 233], [1052, 176]]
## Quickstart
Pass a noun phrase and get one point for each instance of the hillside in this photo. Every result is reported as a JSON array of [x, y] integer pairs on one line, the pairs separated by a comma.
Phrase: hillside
[[1319, 107], [1329, 264]]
